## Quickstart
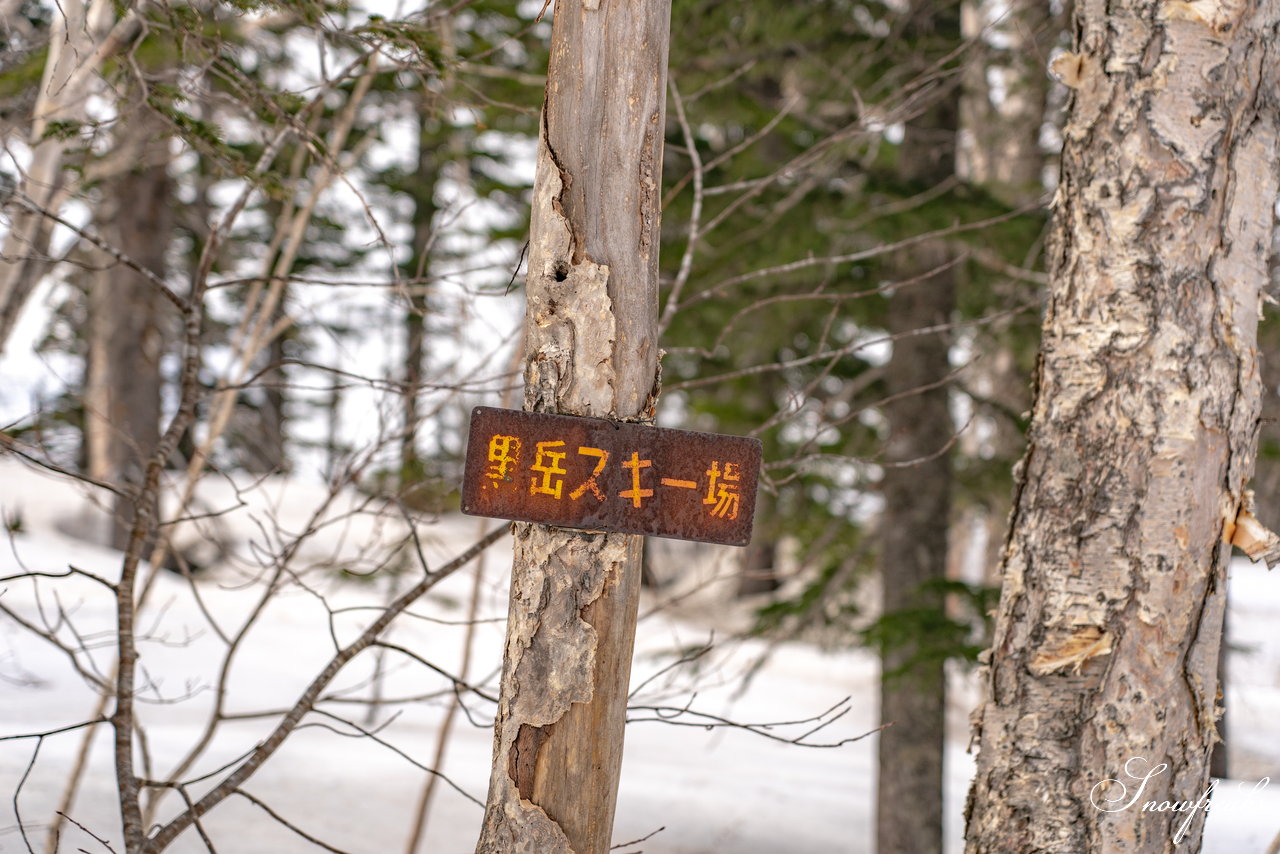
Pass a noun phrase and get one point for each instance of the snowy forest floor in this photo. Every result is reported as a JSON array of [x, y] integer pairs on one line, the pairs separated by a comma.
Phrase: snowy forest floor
[[718, 790]]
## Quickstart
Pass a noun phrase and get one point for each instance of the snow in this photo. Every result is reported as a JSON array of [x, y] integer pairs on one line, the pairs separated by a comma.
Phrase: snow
[[718, 790]]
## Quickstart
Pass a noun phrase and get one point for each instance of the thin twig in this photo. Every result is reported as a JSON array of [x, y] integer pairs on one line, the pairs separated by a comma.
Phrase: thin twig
[[17, 791], [695, 216], [687, 658], [644, 838], [372, 734], [423, 806], [721, 288], [96, 838], [319, 843], [673, 715]]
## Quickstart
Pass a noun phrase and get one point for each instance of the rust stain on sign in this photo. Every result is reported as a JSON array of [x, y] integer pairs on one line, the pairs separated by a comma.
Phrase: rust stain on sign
[[604, 475]]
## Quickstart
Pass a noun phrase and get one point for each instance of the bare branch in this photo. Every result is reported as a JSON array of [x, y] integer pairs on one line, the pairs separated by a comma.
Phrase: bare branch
[[89, 237], [31, 455], [73, 655], [319, 843], [644, 838], [362, 732], [96, 838], [307, 701], [686, 716], [71, 571], [721, 289], [848, 349], [457, 681]]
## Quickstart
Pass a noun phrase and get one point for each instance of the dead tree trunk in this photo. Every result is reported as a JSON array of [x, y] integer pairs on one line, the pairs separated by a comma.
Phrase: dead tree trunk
[[591, 349], [1101, 680]]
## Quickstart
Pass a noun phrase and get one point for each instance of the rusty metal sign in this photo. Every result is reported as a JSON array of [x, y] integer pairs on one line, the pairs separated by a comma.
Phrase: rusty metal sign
[[604, 475]]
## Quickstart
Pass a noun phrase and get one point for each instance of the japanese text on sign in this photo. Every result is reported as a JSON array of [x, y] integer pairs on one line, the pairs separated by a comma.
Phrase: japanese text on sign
[[610, 476]]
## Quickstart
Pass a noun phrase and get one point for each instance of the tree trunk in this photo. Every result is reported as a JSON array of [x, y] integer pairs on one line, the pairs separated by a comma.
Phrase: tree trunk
[[258, 424], [591, 349], [272, 456], [261, 414], [916, 488], [1103, 666], [423, 192], [126, 341], [914, 524]]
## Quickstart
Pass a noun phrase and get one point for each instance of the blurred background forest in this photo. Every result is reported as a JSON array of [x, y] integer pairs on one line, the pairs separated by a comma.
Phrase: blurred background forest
[[252, 243], [339, 196]]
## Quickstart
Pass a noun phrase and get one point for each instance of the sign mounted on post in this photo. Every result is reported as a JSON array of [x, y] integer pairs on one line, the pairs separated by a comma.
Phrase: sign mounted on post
[[604, 475]]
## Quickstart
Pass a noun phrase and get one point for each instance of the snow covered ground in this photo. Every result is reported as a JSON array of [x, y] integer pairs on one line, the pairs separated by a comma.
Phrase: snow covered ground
[[710, 790]]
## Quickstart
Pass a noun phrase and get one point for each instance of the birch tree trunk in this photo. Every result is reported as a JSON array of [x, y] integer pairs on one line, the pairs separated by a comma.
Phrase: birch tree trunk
[[84, 34], [591, 349], [1143, 435]]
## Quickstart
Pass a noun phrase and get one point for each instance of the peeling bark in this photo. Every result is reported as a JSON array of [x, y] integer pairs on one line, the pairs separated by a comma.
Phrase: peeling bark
[[1143, 433], [551, 665], [591, 350]]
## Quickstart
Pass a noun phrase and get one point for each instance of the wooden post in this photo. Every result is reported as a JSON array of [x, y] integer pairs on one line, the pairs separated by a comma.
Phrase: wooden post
[[591, 349]]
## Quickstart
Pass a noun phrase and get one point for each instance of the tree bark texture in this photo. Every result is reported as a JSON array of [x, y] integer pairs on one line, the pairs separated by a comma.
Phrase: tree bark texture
[[591, 349], [126, 339], [1104, 659]]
